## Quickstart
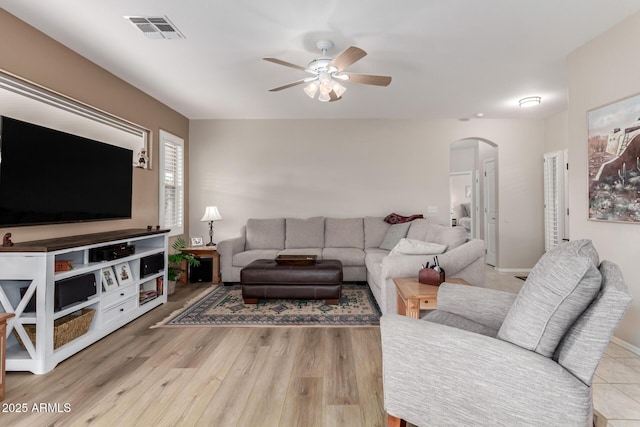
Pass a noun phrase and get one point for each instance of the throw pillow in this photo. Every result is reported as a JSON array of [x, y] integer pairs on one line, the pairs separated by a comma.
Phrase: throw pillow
[[559, 288], [417, 247], [394, 218], [394, 234]]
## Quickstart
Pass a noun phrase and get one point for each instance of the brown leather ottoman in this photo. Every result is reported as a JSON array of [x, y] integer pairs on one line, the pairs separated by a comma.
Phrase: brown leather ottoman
[[266, 279]]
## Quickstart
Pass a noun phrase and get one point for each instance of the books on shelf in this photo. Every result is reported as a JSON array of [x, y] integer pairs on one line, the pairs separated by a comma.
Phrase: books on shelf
[[146, 296]]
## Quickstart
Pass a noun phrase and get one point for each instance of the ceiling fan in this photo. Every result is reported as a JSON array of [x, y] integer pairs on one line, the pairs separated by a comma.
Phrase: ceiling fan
[[329, 72]]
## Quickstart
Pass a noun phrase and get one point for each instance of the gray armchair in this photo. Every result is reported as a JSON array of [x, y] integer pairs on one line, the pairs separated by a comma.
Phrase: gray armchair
[[490, 358]]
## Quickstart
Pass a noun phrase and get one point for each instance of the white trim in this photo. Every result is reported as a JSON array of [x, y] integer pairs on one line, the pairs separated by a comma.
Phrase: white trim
[[632, 348]]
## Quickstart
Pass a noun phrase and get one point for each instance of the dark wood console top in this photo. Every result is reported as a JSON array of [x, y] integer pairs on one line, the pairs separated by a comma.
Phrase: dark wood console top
[[59, 243]]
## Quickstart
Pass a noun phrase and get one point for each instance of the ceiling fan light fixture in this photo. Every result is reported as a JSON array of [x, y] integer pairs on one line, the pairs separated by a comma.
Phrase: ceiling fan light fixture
[[325, 84], [530, 101], [324, 97], [339, 89], [311, 89]]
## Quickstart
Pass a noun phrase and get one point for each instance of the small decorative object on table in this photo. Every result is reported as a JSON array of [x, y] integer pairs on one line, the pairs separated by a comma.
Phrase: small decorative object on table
[[63, 265], [6, 240], [196, 241], [431, 274]]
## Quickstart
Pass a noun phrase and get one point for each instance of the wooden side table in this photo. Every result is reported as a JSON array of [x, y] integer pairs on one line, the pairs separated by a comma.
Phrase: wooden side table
[[413, 296], [3, 349], [205, 252]]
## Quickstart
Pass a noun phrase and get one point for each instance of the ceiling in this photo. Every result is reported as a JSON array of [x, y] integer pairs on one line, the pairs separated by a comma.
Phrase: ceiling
[[448, 58]]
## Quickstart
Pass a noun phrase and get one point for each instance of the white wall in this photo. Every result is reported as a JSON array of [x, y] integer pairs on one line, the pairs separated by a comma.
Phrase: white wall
[[603, 71], [348, 168]]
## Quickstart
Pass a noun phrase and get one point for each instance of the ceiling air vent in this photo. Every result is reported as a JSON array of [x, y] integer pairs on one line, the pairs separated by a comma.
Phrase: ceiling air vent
[[155, 27]]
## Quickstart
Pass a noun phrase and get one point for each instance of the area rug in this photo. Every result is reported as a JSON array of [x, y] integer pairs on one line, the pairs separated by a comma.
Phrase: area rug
[[223, 306]]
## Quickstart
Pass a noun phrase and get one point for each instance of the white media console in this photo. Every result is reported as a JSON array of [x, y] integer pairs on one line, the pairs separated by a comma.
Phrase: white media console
[[30, 267]]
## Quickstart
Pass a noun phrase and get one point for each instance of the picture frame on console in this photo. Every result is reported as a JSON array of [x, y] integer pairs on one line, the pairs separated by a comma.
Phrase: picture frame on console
[[197, 241], [123, 273], [109, 282]]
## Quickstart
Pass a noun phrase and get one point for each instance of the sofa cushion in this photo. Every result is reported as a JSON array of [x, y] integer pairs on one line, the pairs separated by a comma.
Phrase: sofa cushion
[[348, 256], [265, 234], [558, 289], [242, 259], [304, 233], [374, 231], [394, 234], [344, 233], [417, 247], [453, 237]]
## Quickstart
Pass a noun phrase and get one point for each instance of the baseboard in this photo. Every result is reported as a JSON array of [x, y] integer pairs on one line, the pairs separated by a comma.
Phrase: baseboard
[[513, 270], [626, 345]]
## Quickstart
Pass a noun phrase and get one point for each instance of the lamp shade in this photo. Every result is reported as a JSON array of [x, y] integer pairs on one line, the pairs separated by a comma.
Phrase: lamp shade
[[211, 213]]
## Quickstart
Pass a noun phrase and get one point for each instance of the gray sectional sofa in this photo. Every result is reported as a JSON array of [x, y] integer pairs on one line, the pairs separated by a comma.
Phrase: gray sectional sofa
[[363, 245]]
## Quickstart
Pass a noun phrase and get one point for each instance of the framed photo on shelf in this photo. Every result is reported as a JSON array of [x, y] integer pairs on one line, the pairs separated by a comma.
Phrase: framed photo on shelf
[[108, 279], [123, 273], [197, 241]]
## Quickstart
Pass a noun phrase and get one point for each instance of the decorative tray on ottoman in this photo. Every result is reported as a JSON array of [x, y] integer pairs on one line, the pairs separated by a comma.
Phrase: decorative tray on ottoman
[[296, 259]]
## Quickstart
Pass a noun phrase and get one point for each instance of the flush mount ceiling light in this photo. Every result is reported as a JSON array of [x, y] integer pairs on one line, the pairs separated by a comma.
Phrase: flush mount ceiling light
[[156, 27], [530, 101], [328, 73]]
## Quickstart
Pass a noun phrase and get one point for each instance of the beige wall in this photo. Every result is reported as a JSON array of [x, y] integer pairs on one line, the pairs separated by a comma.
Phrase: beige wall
[[33, 56], [301, 168], [556, 132], [603, 71]]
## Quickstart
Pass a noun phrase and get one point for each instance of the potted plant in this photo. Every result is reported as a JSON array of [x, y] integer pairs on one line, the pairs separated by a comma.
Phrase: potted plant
[[176, 261]]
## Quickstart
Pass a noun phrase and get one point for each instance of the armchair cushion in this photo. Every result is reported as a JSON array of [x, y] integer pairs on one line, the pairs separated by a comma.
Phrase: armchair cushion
[[559, 288], [488, 307]]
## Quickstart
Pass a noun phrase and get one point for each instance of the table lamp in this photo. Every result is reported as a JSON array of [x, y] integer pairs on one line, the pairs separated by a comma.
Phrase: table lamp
[[211, 214]]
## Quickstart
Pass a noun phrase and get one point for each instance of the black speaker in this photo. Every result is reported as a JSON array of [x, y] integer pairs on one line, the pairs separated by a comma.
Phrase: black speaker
[[74, 289], [151, 264], [67, 292], [203, 272]]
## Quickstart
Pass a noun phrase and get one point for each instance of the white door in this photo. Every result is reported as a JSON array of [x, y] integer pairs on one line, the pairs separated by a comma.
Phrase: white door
[[490, 210]]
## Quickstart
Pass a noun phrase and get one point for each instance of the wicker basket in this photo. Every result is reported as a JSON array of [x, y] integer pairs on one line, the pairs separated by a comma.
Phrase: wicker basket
[[65, 329]]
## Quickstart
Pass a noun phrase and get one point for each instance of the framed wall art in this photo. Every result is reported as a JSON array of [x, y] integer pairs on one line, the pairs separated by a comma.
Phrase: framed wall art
[[614, 161]]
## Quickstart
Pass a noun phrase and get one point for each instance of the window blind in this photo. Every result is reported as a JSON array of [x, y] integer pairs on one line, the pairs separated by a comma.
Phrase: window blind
[[553, 199], [172, 183]]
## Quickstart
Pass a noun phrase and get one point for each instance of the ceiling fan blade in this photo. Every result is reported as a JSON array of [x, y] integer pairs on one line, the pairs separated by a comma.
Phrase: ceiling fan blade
[[368, 79], [348, 57], [296, 83], [285, 63]]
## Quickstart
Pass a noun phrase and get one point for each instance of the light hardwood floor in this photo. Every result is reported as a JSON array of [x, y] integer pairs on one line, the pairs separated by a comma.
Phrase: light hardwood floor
[[208, 377], [248, 377]]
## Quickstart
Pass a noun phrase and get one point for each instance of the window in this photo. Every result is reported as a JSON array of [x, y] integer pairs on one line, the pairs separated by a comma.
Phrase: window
[[171, 183]]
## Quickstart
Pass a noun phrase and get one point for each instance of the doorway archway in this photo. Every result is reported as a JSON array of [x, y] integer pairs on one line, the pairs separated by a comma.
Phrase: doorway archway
[[473, 178]]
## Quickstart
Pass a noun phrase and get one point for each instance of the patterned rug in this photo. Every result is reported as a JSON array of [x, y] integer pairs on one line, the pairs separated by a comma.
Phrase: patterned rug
[[224, 307]]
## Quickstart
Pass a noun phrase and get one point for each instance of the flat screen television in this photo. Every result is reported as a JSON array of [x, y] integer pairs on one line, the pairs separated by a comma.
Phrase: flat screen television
[[48, 176]]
